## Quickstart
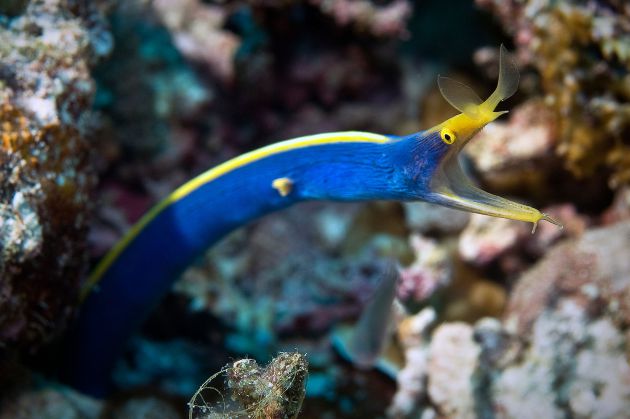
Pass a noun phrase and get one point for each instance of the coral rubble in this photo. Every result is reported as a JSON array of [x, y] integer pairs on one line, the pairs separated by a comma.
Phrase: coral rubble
[[275, 391], [45, 176]]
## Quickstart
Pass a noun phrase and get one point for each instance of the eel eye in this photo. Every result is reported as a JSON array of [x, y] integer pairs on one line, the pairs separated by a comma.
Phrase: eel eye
[[447, 136]]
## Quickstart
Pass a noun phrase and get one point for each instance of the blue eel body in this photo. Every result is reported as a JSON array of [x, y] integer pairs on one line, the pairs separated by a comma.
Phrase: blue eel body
[[344, 166], [361, 167]]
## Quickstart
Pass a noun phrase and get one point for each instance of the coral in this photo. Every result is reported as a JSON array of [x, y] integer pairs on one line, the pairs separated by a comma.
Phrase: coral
[[516, 154], [581, 51], [485, 239], [511, 244], [275, 392], [384, 20], [560, 350], [452, 361], [198, 33], [593, 269], [571, 310], [413, 334], [45, 98], [430, 271]]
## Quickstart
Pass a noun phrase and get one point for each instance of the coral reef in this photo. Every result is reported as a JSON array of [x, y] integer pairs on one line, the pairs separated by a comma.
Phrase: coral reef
[[581, 51], [561, 349], [486, 239], [291, 274], [574, 308], [452, 361], [493, 321], [45, 97]]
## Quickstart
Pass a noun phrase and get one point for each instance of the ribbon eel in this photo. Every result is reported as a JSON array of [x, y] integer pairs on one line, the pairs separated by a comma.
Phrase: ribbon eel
[[341, 166]]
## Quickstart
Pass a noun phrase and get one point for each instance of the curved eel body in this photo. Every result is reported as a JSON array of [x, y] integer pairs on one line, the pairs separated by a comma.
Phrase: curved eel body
[[346, 166]]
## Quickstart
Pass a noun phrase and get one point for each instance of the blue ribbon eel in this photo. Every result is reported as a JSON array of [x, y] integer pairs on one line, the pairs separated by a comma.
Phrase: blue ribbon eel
[[340, 166]]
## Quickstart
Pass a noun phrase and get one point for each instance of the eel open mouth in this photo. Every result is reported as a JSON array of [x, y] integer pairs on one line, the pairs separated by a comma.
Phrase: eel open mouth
[[450, 186]]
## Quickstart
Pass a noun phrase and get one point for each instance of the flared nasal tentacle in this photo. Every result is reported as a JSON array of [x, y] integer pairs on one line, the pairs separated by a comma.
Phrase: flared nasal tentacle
[[460, 96], [465, 100], [507, 83]]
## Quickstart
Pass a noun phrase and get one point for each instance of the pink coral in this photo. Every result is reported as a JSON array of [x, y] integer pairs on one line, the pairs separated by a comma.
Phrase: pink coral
[[430, 271], [198, 33], [387, 20]]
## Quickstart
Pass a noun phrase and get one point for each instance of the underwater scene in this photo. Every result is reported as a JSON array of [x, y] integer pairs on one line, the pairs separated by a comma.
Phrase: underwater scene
[[301, 209]]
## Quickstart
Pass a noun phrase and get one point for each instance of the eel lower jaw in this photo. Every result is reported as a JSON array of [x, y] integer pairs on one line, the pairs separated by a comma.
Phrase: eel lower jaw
[[452, 188]]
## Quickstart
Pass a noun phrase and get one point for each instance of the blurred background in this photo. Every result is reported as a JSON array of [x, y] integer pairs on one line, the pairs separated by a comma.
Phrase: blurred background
[[106, 106]]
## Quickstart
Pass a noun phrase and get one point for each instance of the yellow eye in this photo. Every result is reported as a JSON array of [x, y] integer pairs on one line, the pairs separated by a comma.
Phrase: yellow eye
[[447, 136]]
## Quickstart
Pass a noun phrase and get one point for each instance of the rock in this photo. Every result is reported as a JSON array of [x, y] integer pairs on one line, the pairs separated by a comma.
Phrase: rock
[[560, 350], [51, 404], [569, 312], [45, 173], [593, 272], [517, 153], [587, 95]]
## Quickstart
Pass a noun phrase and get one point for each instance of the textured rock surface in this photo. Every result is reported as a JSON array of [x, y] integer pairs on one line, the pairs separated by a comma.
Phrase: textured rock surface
[[485, 239], [577, 47], [51, 404], [452, 362], [569, 316], [516, 152], [45, 177], [560, 351]]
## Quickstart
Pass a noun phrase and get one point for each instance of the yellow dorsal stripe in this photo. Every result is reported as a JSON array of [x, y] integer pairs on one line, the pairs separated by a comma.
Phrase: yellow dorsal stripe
[[208, 176]]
